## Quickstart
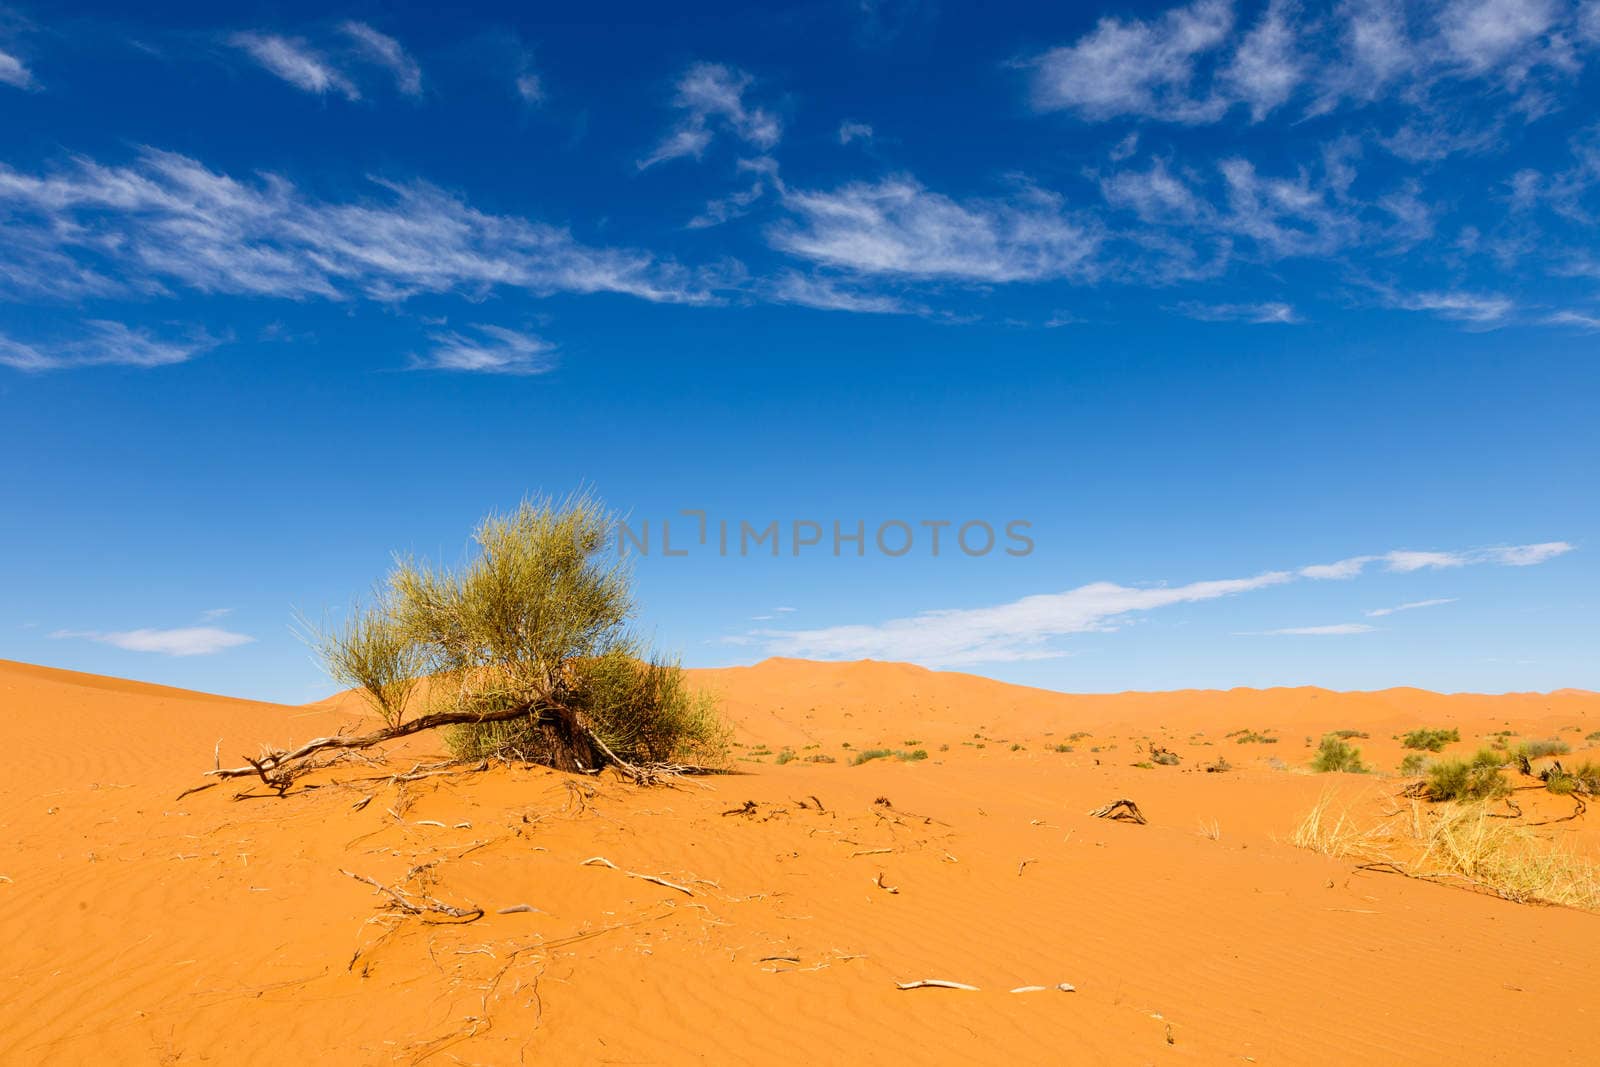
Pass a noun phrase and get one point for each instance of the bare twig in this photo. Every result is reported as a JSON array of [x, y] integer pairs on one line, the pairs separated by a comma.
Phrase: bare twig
[[935, 983]]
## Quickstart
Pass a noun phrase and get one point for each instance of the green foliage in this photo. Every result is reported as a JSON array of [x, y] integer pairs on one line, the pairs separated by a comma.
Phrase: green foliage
[[533, 626], [1540, 749], [1349, 735], [1251, 737], [1062, 747], [1479, 779], [870, 754], [1337, 755], [1430, 740], [1413, 763], [784, 757]]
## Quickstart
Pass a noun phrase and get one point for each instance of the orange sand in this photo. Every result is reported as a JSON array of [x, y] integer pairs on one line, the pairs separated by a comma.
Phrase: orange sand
[[140, 928]]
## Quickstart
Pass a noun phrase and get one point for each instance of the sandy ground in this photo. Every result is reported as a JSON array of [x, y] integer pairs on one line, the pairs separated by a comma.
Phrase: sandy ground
[[141, 928]]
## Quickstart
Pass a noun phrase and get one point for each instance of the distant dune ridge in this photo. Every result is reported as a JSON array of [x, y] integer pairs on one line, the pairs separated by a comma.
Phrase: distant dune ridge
[[767, 916]]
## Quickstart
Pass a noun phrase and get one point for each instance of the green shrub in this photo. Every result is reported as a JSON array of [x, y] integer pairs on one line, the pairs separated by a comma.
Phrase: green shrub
[[526, 651], [784, 757], [1430, 740], [1539, 749], [1413, 764], [1347, 735], [870, 754], [1063, 747], [1336, 755], [1457, 779]]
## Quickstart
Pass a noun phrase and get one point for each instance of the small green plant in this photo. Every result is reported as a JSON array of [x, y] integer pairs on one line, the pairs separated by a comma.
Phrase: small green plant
[[1593, 738], [1413, 763], [820, 757], [1062, 747], [870, 754], [1479, 779], [1145, 765], [1349, 735], [1016, 746], [1539, 749], [910, 744], [1336, 755], [1430, 740], [784, 757], [1250, 737]]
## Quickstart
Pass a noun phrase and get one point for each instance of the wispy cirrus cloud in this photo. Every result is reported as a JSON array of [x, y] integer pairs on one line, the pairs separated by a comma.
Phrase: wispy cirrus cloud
[[1258, 314], [494, 350], [166, 221], [386, 52], [105, 344], [1025, 629], [711, 98], [898, 228], [1195, 62], [297, 62], [1378, 613], [1404, 561], [15, 73], [1338, 629], [183, 641]]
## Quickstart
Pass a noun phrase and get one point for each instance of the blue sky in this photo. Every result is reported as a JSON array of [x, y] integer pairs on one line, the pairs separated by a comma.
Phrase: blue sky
[[1278, 324]]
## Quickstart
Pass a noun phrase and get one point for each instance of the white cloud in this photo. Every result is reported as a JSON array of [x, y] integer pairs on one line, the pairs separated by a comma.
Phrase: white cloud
[[1404, 561], [1482, 310], [1024, 629], [1573, 318], [897, 227], [1338, 629], [1267, 67], [854, 131], [496, 351], [297, 63], [1007, 632], [1485, 33], [14, 72], [185, 641], [1260, 314], [711, 96], [829, 294], [166, 220], [386, 52], [530, 88], [1135, 68], [1378, 613], [105, 344]]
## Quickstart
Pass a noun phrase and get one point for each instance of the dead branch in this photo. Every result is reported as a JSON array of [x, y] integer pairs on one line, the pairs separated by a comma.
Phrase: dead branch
[[1122, 810], [400, 900], [935, 983], [275, 761]]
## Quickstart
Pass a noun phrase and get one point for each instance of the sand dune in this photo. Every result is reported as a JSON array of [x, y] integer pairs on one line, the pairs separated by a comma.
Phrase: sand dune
[[140, 928]]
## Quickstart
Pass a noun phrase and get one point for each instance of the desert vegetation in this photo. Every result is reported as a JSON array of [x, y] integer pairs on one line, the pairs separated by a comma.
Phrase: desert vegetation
[[1430, 740], [522, 653], [1460, 843], [1337, 754]]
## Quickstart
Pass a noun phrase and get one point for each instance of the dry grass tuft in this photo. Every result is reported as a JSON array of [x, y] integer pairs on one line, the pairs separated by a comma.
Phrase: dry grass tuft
[[1458, 842]]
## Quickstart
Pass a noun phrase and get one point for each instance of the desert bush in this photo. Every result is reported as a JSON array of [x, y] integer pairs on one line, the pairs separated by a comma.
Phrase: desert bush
[[1250, 737], [1413, 763], [1539, 749], [784, 756], [1593, 738], [1477, 779], [870, 754], [524, 652], [1337, 755], [1349, 735], [1430, 740]]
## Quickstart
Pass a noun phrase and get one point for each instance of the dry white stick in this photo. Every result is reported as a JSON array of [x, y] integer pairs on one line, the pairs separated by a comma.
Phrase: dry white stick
[[598, 860], [935, 983], [870, 852], [662, 882]]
